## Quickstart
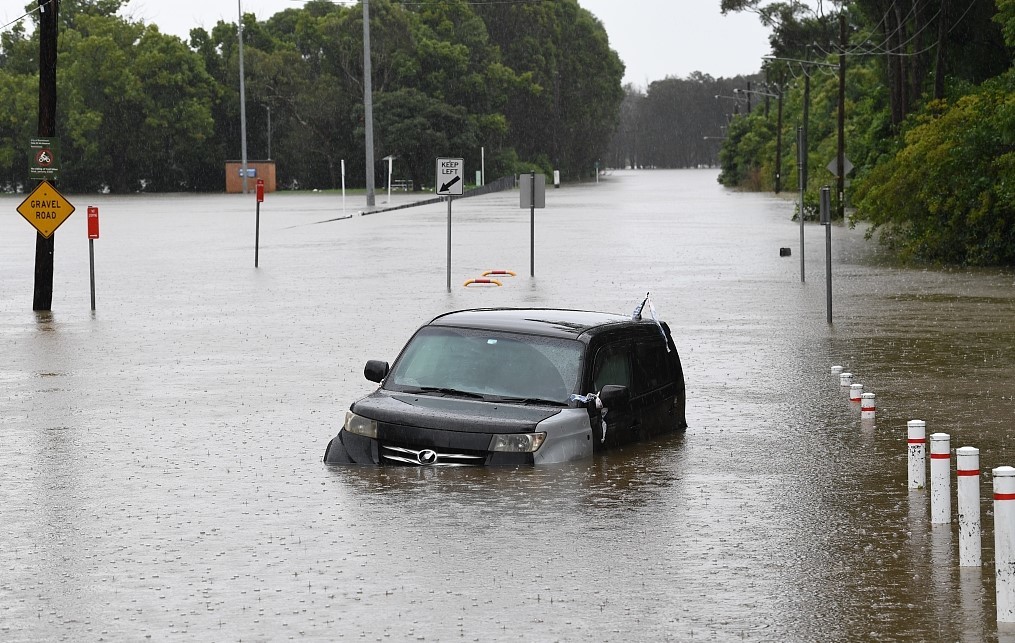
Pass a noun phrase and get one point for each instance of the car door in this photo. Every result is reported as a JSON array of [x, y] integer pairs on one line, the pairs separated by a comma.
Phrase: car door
[[612, 365], [654, 390]]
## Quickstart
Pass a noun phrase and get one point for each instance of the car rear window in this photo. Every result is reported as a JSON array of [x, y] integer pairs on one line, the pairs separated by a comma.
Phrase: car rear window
[[489, 363]]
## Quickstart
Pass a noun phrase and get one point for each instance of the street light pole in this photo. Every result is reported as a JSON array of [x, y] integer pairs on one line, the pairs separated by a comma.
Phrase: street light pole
[[368, 105], [840, 158], [243, 101]]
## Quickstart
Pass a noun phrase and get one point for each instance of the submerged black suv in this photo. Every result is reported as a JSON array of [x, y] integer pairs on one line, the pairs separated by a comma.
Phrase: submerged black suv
[[516, 386]]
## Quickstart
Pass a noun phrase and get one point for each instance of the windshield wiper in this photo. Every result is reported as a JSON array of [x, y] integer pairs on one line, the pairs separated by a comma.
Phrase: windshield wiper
[[447, 391], [527, 400]]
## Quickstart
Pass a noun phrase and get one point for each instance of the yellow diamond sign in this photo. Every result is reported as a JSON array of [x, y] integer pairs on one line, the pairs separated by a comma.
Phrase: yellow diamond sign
[[46, 209]]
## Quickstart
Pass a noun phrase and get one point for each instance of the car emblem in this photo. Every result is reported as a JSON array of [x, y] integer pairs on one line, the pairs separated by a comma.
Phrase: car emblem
[[427, 456]]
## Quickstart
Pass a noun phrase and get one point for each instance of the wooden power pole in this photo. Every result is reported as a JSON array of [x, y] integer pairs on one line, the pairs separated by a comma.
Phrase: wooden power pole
[[48, 24]]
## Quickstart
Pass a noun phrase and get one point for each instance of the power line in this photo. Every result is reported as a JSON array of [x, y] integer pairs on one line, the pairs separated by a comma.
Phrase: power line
[[22, 17]]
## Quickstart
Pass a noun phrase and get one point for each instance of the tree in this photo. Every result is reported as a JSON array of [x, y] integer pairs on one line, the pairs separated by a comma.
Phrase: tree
[[948, 195], [567, 116]]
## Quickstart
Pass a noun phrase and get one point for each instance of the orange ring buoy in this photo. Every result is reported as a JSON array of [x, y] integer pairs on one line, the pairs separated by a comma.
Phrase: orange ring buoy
[[483, 281], [505, 273]]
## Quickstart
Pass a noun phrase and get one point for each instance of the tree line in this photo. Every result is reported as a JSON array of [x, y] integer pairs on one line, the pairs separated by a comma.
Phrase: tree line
[[678, 122], [525, 85], [929, 120]]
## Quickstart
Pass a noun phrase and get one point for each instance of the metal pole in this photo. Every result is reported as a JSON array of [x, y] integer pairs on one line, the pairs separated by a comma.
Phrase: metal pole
[[532, 224], [269, 133], [449, 243], [840, 184], [368, 113], [91, 267], [826, 214], [257, 232], [807, 111], [243, 102], [482, 166], [800, 180], [778, 139], [391, 161]]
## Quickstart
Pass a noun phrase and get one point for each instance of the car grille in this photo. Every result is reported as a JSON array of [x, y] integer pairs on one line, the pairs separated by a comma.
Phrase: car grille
[[430, 457]]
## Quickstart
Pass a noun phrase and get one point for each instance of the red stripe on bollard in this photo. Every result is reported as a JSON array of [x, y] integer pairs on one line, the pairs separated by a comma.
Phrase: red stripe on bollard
[[968, 472], [1004, 496], [917, 441], [940, 456]]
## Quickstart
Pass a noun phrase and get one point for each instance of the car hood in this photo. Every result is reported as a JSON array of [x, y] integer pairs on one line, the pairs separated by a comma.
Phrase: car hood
[[450, 413]]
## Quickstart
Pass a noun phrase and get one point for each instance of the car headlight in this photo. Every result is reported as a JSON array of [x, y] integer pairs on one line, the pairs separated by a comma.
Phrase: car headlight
[[517, 442], [360, 425]]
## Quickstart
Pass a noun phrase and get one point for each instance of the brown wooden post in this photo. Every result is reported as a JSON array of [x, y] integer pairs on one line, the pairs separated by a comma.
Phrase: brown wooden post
[[48, 12]]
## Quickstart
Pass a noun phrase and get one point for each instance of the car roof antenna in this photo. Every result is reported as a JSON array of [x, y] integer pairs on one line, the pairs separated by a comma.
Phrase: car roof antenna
[[636, 316]]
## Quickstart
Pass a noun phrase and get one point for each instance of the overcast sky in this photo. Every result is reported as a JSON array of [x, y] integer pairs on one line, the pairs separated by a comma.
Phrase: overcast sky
[[655, 38]]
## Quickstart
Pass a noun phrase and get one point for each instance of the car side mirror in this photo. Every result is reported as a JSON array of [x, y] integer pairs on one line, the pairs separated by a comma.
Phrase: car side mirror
[[614, 395], [375, 370]]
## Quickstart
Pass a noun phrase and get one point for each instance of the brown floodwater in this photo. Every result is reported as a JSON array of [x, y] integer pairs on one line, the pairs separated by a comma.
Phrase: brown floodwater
[[160, 458]]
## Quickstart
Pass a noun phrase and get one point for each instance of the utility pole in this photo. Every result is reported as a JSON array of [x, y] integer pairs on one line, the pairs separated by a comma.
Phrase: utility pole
[[840, 180], [44, 247], [368, 104], [778, 139], [807, 110], [243, 102]]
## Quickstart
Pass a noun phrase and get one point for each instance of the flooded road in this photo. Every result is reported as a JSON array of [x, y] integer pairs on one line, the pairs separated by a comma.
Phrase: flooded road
[[160, 458]]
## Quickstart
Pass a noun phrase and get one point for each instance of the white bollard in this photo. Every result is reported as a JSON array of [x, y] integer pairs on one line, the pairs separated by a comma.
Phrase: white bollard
[[940, 480], [867, 406], [1004, 542], [855, 390], [845, 379], [917, 454], [967, 474], [836, 370]]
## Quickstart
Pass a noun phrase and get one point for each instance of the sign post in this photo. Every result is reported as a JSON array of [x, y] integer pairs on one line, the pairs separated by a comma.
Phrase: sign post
[[801, 151], [93, 234], [450, 182], [532, 188], [826, 220], [257, 220]]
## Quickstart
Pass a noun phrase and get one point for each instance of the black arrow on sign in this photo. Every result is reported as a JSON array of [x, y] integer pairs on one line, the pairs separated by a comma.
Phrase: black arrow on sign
[[447, 186]]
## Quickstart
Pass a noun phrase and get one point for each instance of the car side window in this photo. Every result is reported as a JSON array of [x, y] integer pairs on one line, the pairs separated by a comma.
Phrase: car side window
[[650, 366], [612, 366]]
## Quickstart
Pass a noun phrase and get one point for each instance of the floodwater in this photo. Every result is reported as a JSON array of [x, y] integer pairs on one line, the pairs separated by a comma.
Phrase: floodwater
[[160, 458]]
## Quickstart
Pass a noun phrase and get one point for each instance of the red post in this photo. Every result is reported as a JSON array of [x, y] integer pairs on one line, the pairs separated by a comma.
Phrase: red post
[[93, 234], [260, 190], [93, 222]]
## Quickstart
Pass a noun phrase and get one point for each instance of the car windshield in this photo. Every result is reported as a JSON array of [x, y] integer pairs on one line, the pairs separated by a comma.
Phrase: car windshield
[[496, 366]]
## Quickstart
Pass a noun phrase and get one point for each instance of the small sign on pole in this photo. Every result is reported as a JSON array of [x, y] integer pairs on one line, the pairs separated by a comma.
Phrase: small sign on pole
[[93, 222], [532, 195], [450, 177], [93, 234], [45, 155], [450, 182], [45, 208], [826, 220], [257, 218]]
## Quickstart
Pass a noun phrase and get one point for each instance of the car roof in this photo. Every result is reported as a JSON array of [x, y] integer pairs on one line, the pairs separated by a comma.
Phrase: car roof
[[551, 322]]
